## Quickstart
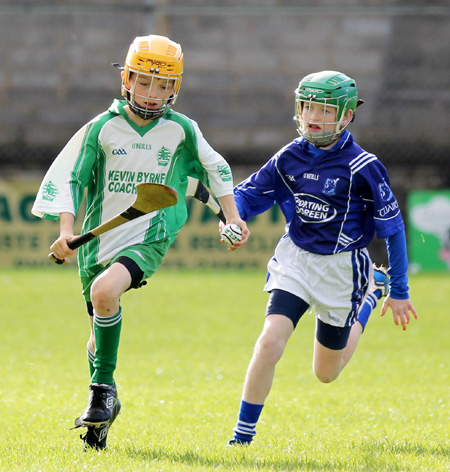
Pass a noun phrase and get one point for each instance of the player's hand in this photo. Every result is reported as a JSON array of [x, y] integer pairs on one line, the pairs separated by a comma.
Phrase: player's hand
[[401, 310], [61, 250], [245, 232]]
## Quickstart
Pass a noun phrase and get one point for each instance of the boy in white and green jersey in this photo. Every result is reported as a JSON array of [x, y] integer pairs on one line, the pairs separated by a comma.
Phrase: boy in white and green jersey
[[139, 139]]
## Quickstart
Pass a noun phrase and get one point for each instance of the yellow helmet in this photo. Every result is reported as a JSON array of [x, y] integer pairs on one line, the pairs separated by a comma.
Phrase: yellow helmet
[[154, 57]]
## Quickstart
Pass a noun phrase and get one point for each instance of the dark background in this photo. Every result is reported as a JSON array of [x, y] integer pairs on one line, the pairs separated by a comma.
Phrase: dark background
[[243, 60]]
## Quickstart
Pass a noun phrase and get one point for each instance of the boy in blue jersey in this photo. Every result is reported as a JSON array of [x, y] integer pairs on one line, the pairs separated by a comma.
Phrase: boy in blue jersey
[[335, 197]]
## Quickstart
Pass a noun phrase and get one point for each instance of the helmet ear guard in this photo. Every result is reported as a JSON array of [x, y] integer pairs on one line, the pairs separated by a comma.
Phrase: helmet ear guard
[[358, 103], [327, 88], [152, 57]]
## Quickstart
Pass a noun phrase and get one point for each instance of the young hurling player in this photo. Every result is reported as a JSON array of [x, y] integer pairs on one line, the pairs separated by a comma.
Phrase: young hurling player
[[335, 196], [139, 139]]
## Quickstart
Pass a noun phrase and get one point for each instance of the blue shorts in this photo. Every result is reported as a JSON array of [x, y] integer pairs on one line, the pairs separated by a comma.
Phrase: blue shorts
[[293, 307]]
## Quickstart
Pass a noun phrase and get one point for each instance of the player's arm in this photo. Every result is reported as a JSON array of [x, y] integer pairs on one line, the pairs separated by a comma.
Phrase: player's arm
[[59, 248], [231, 213], [259, 192], [398, 298], [373, 182], [221, 183], [62, 188]]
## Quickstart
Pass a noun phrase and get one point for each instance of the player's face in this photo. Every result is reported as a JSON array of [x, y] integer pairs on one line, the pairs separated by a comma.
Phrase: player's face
[[150, 92], [318, 118]]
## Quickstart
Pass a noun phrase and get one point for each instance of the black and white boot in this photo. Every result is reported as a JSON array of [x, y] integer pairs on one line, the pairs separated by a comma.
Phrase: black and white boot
[[101, 403], [95, 437]]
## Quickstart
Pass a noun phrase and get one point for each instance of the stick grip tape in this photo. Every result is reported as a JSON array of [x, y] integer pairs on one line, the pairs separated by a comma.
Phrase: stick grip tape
[[74, 244]]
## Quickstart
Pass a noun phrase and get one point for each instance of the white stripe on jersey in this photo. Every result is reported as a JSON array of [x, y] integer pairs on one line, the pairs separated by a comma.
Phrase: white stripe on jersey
[[361, 161], [346, 241]]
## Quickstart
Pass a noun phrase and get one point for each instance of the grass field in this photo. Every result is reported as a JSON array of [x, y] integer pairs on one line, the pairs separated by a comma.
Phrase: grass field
[[186, 341]]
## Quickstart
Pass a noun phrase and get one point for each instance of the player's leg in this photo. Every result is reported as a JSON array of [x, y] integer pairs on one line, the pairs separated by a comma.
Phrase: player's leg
[[128, 270], [334, 346], [258, 380], [106, 291], [95, 437], [329, 348], [283, 313], [107, 323], [378, 288], [104, 406], [137, 274], [90, 347], [267, 352]]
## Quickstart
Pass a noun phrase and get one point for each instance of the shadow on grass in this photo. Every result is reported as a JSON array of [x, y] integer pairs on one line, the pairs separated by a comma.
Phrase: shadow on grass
[[367, 456], [233, 461], [406, 448]]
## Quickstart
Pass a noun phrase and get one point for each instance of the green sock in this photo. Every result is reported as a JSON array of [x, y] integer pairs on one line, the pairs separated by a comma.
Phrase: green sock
[[107, 335], [91, 358]]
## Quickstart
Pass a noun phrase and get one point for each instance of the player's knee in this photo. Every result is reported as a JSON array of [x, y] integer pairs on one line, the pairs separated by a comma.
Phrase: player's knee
[[325, 375], [270, 347], [324, 378], [102, 296]]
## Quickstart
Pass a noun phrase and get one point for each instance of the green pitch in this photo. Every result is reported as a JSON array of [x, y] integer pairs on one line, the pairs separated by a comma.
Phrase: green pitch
[[186, 341]]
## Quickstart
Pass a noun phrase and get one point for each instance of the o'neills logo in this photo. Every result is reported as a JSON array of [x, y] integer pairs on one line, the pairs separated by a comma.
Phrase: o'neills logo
[[311, 90], [311, 209], [156, 63]]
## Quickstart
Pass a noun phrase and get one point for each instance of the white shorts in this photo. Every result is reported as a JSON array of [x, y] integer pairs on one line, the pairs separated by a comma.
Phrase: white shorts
[[334, 285]]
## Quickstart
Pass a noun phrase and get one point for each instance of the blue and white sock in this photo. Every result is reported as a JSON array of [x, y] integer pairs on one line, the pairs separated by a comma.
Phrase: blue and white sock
[[369, 305], [245, 427]]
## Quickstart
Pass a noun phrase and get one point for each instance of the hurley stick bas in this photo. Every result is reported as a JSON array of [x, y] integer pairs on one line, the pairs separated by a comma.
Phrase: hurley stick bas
[[150, 197], [197, 189]]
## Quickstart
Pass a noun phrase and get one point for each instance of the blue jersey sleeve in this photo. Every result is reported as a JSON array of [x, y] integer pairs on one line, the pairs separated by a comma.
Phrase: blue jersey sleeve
[[398, 265], [261, 191], [373, 184]]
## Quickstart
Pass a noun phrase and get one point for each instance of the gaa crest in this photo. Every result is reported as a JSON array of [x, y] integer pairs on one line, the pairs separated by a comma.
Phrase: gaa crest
[[163, 156], [49, 191], [224, 173], [330, 186], [385, 191]]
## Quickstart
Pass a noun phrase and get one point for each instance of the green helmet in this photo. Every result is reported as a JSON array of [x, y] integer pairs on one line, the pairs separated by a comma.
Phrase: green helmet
[[328, 88]]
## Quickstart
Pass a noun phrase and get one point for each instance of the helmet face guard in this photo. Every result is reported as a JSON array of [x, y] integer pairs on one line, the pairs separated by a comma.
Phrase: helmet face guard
[[152, 57], [327, 89]]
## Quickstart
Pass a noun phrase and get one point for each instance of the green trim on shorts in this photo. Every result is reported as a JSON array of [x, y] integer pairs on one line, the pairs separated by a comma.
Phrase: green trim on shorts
[[147, 256]]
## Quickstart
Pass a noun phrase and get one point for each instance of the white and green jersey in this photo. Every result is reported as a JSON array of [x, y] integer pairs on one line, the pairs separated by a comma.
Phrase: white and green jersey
[[107, 158]]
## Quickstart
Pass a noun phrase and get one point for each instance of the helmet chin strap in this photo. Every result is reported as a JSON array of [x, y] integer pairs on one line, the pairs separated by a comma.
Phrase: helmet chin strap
[[325, 137], [147, 114], [322, 139]]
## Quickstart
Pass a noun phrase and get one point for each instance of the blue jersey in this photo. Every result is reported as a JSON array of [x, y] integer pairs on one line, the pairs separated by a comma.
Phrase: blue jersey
[[333, 200]]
